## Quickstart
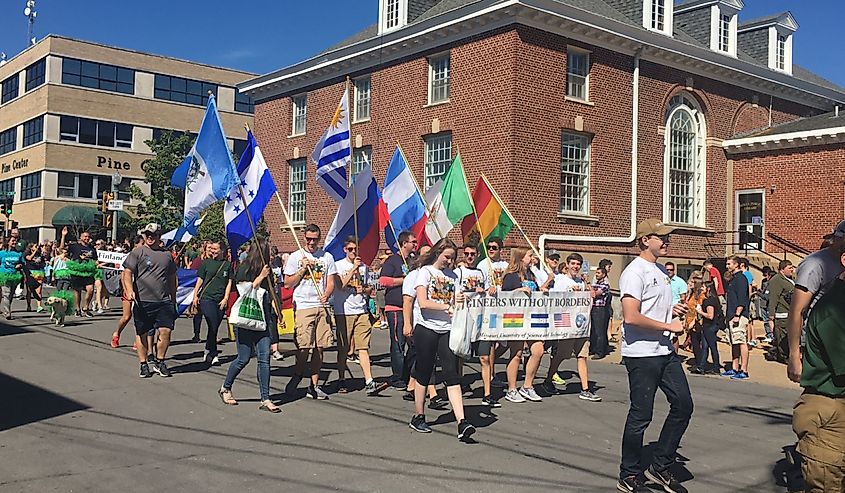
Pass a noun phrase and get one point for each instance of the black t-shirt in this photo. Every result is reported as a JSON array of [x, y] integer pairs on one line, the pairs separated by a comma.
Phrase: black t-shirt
[[717, 311], [511, 282], [37, 263], [394, 267], [81, 253]]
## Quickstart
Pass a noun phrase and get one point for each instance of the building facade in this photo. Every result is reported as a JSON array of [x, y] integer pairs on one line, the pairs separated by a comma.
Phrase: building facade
[[74, 113], [586, 117]]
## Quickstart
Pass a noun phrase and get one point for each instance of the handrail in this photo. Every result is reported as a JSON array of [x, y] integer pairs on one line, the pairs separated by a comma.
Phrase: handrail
[[789, 243], [786, 246]]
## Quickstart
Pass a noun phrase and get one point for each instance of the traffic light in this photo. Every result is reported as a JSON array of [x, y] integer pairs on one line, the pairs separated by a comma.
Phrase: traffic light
[[107, 219], [8, 201], [103, 201]]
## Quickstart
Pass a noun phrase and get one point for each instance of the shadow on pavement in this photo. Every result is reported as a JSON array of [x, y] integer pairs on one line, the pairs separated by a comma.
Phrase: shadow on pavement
[[26, 403], [11, 330], [774, 417]]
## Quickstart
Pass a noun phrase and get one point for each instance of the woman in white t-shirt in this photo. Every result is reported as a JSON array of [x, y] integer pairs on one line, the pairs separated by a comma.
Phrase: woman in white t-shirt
[[436, 297], [410, 313]]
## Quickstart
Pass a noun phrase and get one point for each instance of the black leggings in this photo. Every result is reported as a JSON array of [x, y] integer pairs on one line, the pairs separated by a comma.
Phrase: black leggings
[[430, 345]]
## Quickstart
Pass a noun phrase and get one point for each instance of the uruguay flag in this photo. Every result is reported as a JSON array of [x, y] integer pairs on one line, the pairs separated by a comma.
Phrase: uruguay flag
[[258, 187], [333, 152], [208, 173], [370, 219], [185, 290], [404, 204]]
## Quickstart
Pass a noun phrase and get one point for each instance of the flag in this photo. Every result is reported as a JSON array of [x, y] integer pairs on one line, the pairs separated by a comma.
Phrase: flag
[[494, 320], [449, 201], [182, 234], [370, 219], [185, 290], [333, 152], [208, 173], [258, 188], [562, 321], [539, 320], [493, 220], [404, 203], [513, 320]]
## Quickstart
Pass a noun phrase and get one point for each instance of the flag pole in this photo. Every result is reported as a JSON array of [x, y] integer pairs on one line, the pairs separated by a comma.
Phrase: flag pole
[[349, 182], [390, 223], [477, 221], [419, 190]]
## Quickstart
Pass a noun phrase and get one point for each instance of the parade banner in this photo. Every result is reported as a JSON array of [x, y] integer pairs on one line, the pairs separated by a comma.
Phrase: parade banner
[[114, 260], [522, 316]]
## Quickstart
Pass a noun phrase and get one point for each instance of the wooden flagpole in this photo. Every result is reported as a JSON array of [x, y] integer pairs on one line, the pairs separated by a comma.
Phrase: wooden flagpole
[[392, 229], [428, 210], [477, 221], [349, 182]]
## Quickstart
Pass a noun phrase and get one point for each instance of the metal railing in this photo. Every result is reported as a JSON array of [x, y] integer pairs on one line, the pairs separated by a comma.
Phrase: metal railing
[[779, 243]]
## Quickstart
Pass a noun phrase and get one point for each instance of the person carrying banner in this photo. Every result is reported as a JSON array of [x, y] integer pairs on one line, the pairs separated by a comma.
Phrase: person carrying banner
[[436, 297], [211, 293]]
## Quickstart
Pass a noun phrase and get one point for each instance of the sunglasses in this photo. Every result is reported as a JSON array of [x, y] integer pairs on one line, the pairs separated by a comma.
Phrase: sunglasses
[[351, 249], [310, 240], [493, 248], [470, 254], [663, 238]]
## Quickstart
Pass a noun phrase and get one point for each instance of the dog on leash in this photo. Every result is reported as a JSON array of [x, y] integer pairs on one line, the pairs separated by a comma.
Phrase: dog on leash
[[58, 309]]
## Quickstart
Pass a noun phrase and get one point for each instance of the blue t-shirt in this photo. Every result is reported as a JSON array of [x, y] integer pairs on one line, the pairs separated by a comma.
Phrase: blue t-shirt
[[679, 287], [748, 276]]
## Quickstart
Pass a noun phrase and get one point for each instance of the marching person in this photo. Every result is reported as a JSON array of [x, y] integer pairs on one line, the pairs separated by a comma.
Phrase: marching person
[[11, 264], [649, 356], [436, 298], [211, 293], [311, 273], [194, 264], [353, 322], [82, 266], [126, 306], [149, 277], [600, 315], [253, 270], [393, 273], [34, 270], [781, 287]]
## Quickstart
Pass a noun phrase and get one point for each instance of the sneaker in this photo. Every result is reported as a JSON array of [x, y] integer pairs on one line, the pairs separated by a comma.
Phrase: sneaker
[[740, 375], [215, 361], [100, 311], [589, 396], [39, 309], [513, 396], [115, 341], [374, 388], [466, 389], [353, 359], [465, 429], [438, 403], [206, 355], [769, 339], [632, 484], [341, 387], [278, 356], [530, 394], [408, 396], [752, 343], [195, 339], [89, 314], [557, 380], [161, 368], [498, 383], [696, 370], [490, 401], [316, 393], [418, 424], [665, 479], [728, 373], [550, 388], [145, 371]]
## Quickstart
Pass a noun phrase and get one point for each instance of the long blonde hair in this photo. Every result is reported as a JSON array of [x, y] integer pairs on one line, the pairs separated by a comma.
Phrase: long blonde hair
[[515, 265]]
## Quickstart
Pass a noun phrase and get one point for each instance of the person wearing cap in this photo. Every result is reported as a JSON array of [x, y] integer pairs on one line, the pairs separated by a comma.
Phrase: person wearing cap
[[552, 260], [149, 277], [815, 272], [649, 318]]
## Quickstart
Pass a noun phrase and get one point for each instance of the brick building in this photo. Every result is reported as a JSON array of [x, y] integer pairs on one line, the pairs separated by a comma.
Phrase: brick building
[[586, 116]]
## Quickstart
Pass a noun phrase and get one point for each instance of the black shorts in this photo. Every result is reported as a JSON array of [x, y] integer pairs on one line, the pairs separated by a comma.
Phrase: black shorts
[[482, 348], [81, 282], [151, 315]]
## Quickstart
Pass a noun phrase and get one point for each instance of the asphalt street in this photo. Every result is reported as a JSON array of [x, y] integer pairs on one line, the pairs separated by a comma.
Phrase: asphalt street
[[76, 417]]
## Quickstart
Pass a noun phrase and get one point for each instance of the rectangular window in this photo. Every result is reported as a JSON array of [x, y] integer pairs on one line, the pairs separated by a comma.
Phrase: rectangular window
[[67, 185], [296, 190], [577, 74], [725, 33], [300, 110], [7, 185], [82, 186], [98, 76], [362, 99], [438, 158], [243, 103], [658, 14], [95, 132], [238, 148], [35, 74], [9, 140], [10, 88], [182, 90], [438, 78], [31, 186], [360, 157], [392, 17], [781, 55], [33, 131], [575, 174]]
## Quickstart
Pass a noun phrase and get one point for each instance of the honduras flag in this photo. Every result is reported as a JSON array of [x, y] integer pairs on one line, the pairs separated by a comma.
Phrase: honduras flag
[[258, 188], [185, 290], [404, 204], [333, 153], [208, 173], [370, 214]]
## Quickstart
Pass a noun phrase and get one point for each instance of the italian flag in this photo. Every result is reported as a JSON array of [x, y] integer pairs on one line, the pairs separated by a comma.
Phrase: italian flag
[[493, 218], [449, 201]]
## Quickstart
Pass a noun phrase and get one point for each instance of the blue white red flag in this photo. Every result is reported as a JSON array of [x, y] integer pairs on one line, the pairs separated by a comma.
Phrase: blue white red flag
[[405, 205], [370, 219]]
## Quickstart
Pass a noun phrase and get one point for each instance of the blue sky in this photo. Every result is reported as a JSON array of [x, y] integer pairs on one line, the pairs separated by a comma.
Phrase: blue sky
[[263, 35]]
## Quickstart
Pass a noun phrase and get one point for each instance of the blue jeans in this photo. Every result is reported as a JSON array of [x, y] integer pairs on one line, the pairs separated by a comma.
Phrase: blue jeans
[[645, 376], [250, 342], [213, 316], [395, 323], [709, 344]]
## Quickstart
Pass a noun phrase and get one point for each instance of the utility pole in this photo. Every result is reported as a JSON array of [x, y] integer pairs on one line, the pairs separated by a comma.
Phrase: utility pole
[[115, 183]]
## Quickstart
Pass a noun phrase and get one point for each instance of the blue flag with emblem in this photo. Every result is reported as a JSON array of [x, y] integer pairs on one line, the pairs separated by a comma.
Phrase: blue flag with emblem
[[208, 173]]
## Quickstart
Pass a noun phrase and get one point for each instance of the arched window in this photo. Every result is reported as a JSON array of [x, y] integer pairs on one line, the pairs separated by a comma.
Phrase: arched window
[[684, 163]]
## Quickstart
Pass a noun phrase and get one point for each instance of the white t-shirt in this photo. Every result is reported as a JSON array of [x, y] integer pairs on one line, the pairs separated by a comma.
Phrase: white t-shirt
[[817, 270], [409, 288], [305, 294], [347, 301], [565, 283], [495, 271], [649, 283], [469, 279], [540, 275], [440, 286]]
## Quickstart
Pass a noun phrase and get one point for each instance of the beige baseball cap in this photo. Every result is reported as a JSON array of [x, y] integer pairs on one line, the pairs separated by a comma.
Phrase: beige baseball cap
[[653, 226]]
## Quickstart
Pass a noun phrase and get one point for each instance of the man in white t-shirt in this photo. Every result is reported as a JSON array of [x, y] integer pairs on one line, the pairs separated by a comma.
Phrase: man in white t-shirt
[[649, 318], [311, 273], [353, 321], [495, 267]]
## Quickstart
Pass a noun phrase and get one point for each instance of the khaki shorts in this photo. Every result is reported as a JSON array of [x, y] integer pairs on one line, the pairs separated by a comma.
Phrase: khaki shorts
[[819, 423], [312, 329], [738, 334], [354, 328], [573, 348]]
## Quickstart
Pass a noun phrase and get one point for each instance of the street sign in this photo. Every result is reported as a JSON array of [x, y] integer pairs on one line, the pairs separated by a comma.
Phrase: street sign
[[757, 220], [748, 227], [115, 205]]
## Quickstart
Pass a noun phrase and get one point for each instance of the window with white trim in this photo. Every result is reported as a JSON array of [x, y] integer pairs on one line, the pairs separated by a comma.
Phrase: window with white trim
[[95, 132], [577, 74], [684, 174], [658, 14], [438, 158], [82, 185], [299, 106], [780, 59], [360, 157], [296, 190], [575, 174], [439, 72], [725, 32], [362, 88], [391, 17]]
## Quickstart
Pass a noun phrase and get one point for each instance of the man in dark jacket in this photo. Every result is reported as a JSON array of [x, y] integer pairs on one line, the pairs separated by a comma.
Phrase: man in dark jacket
[[780, 295], [738, 301]]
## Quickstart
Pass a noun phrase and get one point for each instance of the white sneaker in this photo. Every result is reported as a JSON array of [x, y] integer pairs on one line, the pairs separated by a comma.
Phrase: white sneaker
[[215, 361], [513, 396], [530, 394], [100, 311], [205, 354]]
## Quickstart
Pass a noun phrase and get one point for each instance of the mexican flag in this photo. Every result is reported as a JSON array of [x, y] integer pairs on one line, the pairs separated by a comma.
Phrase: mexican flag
[[448, 201], [493, 217]]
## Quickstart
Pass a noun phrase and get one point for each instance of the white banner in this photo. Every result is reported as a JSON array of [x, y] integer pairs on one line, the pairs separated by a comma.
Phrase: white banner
[[113, 259], [520, 316]]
